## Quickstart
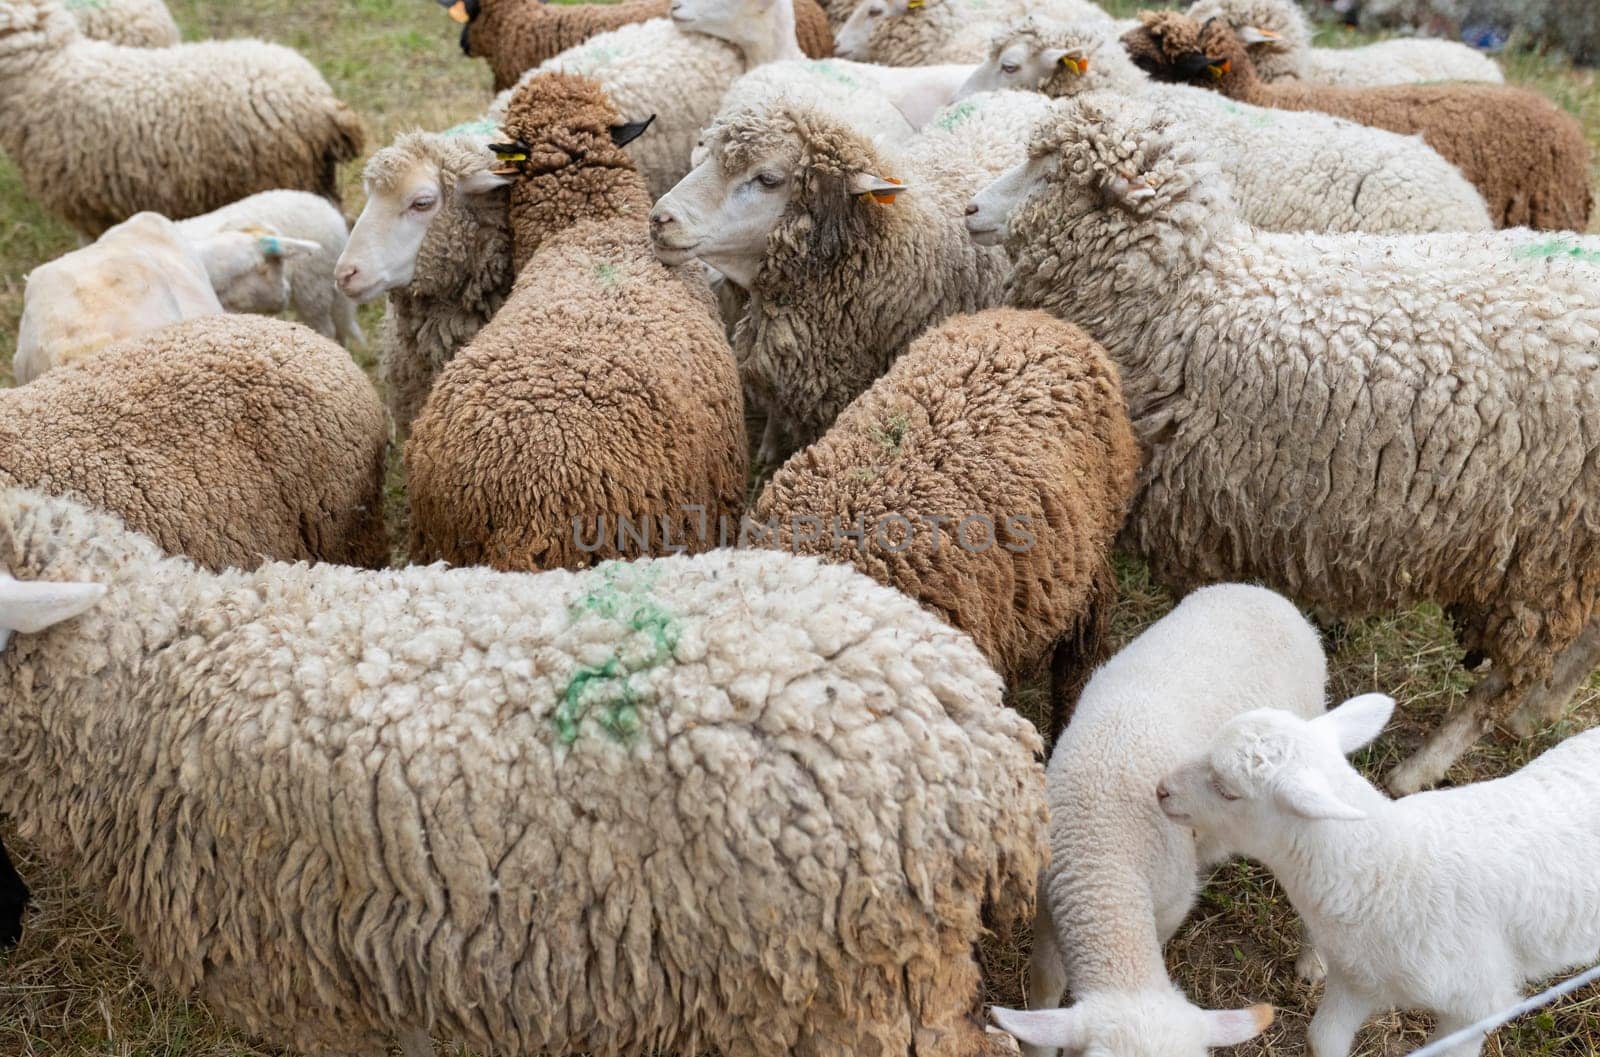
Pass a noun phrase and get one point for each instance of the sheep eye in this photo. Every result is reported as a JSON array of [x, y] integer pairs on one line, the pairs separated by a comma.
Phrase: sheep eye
[[422, 205], [1009, 67], [874, 12], [769, 180], [1222, 790]]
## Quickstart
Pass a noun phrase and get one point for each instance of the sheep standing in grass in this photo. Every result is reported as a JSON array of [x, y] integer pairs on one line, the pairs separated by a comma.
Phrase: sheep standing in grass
[[435, 238], [849, 250], [1423, 434], [742, 802], [135, 23], [1121, 877], [1290, 171], [1278, 36], [924, 32], [1527, 156], [514, 36], [603, 393], [1447, 901], [100, 132], [989, 470], [309, 233]]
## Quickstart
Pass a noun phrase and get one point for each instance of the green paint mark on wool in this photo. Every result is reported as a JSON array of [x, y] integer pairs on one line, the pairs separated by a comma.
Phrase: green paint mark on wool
[[599, 54], [87, 5], [957, 114], [607, 274], [891, 436], [608, 693], [832, 72], [481, 127], [1565, 249], [1258, 117]]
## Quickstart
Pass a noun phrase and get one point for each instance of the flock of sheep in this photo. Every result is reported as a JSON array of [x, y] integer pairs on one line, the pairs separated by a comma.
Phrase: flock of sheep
[[644, 764]]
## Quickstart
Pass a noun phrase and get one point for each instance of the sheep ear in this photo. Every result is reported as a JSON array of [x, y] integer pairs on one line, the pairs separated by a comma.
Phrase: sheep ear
[[1128, 192], [1249, 35], [1061, 1028], [1235, 1026], [1358, 722], [881, 188], [1308, 793], [279, 247], [481, 183], [30, 606], [626, 133]]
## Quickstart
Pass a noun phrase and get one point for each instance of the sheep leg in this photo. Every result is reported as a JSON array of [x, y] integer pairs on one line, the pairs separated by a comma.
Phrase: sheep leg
[[1341, 1014], [1081, 649], [1309, 967], [1460, 731], [13, 901], [1047, 970], [414, 1042], [1450, 1023], [1548, 703], [773, 441]]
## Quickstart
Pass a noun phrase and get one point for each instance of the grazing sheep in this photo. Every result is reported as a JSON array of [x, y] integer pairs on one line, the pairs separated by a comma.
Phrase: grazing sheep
[[923, 32], [848, 249], [435, 238], [100, 132], [229, 440], [135, 23], [304, 218], [1278, 37], [602, 394], [987, 474], [739, 802], [139, 276], [1420, 435], [1447, 901], [1526, 155], [514, 36], [1290, 171], [1122, 878]]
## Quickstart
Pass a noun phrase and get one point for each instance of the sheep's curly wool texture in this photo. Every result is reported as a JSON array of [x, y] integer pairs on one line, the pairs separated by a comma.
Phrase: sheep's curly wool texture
[[742, 802], [604, 389], [1290, 171], [228, 439], [135, 23], [1361, 422], [847, 283], [1291, 56], [463, 271], [940, 31], [100, 132], [514, 36], [1002, 443], [1527, 156]]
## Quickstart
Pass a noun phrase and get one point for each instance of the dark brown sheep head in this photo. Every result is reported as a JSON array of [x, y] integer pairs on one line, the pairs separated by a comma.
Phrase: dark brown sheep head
[[1172, 47]]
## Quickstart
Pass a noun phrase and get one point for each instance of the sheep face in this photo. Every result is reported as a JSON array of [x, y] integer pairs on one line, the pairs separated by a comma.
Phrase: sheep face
[[247, 268], [1159, 1022], [854, 39], [724, 19], [1021, 61], [403, 201], [724, 217], [989, 212], [1269, 766]]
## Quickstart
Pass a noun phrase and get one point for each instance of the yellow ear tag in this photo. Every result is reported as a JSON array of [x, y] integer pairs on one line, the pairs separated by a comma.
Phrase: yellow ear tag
[[1219, 70], [912, 5], [886, 198], [1077, 66], [458, 11]]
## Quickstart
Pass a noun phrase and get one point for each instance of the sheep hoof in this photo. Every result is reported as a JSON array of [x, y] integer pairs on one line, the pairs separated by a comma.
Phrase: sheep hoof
[[1310, 968], [1415, 775]]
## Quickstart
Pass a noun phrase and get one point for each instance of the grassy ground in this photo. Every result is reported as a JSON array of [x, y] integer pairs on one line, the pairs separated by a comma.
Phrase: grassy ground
[[73, 987]]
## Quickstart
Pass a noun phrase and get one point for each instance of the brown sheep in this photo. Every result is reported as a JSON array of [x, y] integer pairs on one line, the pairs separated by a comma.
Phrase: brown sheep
[[514, 36], [603, 390], [989, 471], [1527, 156], [230, 440]]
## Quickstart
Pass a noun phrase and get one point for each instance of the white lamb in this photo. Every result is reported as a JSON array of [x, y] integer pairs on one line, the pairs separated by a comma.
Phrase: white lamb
[[139, 276], [1290, 171], [1121, 877], [315, 225], [1446, 901]]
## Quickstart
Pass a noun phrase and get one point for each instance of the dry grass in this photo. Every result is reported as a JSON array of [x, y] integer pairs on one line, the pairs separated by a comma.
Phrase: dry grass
[[73, 988]]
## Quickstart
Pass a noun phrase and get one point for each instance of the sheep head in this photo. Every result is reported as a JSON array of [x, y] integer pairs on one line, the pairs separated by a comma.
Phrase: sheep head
[[1156, 1022], [1036, 55], [1275, 33], [1177, 49], [30, 30], [873, 21]]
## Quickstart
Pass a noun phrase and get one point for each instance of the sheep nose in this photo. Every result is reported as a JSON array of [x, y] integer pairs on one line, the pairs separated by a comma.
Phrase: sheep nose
[[346, 274], [1162, 792], [660, 218], [972, 209]]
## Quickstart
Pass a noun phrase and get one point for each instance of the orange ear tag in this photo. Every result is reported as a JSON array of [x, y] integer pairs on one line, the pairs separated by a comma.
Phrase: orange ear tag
[[458, 11], [1219, 70], [886, 198], [1077, 66]]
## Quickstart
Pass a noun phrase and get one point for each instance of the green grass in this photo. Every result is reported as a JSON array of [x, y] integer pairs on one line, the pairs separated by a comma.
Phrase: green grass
[[73, 988]]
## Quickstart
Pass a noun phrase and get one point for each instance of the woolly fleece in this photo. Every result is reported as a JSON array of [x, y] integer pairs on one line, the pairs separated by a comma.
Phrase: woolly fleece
[[1362, 422], [1527, 156], [100, 132], [1290, 171], [564, 813], [604, 387], [1291, 57], [228, 439], [941, 31], [1002, 415], [135, 23]]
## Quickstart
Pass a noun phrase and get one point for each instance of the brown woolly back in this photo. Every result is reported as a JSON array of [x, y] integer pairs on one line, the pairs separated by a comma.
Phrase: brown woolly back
[[574, 172]]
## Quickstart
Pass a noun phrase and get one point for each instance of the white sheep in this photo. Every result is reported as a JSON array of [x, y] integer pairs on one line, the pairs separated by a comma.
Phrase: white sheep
[[1278, 35], [302, 222], [100, 132], [849, 249], [1122, 878], [1362, 422], [136, 23], [923, 32], [434, 236], [887, 102], [739, 802], [1446, 901], [1290, 171], [139, 276]]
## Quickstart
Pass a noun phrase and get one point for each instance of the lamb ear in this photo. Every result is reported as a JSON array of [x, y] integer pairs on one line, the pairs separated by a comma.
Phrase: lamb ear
[[30, 606], [1308, 793], [278, 246], [628, 131], [1060, 1028], [1249, 35], [1128, 192], [1235, 1026], [879, 187], [1358, 722], [481, 183]]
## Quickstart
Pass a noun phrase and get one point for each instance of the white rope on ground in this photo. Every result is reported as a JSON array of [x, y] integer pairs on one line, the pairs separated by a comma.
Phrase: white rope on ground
[[1476, 1031]]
